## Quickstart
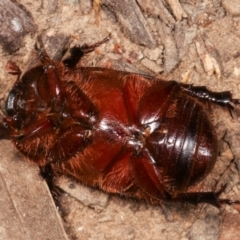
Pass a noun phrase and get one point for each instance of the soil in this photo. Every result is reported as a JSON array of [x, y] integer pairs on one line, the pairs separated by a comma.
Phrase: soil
[[191, 41]]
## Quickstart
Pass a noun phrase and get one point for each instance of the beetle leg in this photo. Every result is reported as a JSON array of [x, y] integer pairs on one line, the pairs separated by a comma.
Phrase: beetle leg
[[205, 197], [228, 201], [36, 129], [198, 197], [50, 70], [77, 52], [48, 175], [236, 101], [5, 131], [70, 143], [147, 176], [223, 99]]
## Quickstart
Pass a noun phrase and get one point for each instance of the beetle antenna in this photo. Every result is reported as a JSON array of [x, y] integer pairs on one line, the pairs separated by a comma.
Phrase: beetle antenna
[[90, 48]]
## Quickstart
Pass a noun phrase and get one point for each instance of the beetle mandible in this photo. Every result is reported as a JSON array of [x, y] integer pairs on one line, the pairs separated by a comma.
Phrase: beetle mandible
[[125, 133]]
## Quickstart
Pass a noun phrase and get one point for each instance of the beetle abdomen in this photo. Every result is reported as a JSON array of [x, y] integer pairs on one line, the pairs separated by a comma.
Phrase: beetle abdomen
[[184, 145]]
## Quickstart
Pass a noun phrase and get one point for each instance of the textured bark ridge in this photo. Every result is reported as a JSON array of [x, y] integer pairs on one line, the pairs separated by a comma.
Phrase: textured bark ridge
[[16, 22]]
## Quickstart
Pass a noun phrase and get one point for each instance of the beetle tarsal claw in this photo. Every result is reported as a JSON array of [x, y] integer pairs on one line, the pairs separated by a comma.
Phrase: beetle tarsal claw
[[225, 201], [228, 201], [236, 102]]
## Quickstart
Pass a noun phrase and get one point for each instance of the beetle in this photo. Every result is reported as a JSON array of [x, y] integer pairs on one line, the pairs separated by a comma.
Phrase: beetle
[[125, 133]]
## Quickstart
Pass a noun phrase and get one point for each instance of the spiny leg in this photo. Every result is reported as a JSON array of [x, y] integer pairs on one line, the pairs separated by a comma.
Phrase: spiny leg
[[77, 52], [205, 197], [223, 99], [48, 175]]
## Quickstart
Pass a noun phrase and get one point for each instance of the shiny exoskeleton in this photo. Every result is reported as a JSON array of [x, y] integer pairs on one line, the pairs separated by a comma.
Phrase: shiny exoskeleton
[[125, 133]]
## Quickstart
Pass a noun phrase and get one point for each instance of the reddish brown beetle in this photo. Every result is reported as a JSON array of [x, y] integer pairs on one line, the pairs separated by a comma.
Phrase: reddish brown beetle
[[125, 133]]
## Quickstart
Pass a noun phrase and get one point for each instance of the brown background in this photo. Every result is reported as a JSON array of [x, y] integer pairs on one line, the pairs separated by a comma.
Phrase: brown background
[[195, 42]]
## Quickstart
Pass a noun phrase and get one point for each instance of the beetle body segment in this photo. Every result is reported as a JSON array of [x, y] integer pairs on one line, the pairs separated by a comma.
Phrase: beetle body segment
[[124, 133]]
